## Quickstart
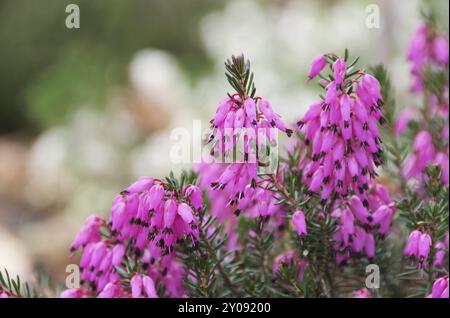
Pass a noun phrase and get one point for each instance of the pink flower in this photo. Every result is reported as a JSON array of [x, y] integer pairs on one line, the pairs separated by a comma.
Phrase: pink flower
[[418, 246], [136, 286], [347, 225], [412, 245], [426, 48], [298, 219], [369, 245], [439, 258], [118, 253], [424, 154], [186, 214], [360, 211], [418, 48], [111, 290], [362, 293], [440, 288], [440, 50], [142, 283], [403, 120], [195, 195], [442, 160], [140, 185], [149, 287], [424, 249], [72, 293], [317, 65], [89, 232], [339, 69], [359, 240]]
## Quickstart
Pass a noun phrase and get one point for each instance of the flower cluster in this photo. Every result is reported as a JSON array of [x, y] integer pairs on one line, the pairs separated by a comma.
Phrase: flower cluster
[[324, 196], [426, 47], [153, 216], [256, 199], [428, 55], [424, 154], [359, 226], [418, 246], [253, 121], [343, 147], [243, 129], [142, 285], [342, 128], [147, 219]]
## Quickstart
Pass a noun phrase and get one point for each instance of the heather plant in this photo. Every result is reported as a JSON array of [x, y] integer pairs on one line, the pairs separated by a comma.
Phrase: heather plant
[[360, 185]]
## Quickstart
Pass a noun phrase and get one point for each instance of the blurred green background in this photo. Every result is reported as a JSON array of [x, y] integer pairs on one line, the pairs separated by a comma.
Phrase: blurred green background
[[47, 70]]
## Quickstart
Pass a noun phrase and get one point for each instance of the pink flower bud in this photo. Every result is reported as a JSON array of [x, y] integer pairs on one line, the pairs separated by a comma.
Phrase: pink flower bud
[[339, 69], [136, 286], [68, 293], [266, 109], [250, 110], [403, 120], [422, 140], [89, 232], [149, 287], [440, 50], [144, 183], [156, 196], [317, 65], [118, 253], [369, 245], [424, 248], [439, 258], [412, 245], [359, 210], [298, 219], [362, 293], [111, 290], [186, 213], [440, 288], [170, 212]]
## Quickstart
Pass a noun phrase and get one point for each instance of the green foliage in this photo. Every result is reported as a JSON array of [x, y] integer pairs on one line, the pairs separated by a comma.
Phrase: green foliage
[[257, 259], [177, 184], [239, 76], [14, 287], [47, 70], [435, 14], [211, 270], [382, 75]]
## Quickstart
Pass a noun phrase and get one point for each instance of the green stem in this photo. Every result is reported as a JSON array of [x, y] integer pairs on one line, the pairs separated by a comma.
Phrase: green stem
[[283, 191], [219, 267]]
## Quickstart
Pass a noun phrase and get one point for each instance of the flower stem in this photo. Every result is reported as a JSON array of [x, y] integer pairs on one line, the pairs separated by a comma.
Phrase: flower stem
[[219, 267]]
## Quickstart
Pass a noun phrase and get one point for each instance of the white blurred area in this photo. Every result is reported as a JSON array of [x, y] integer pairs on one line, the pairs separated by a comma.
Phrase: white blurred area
[[73, 170]]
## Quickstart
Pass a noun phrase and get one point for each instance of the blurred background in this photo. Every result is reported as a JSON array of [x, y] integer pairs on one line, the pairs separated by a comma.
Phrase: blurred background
[[83, 112]]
